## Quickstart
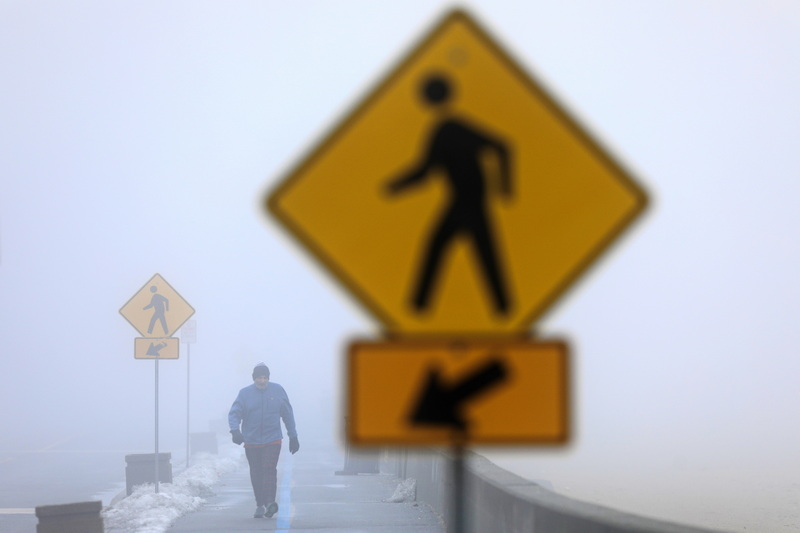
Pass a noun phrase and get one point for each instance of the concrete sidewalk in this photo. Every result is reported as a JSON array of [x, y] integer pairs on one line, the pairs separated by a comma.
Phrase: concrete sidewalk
[[312, 498]]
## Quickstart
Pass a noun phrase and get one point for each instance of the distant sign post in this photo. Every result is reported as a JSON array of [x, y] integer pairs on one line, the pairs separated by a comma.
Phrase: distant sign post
[[156, 311], [457, 202], [188, 337]]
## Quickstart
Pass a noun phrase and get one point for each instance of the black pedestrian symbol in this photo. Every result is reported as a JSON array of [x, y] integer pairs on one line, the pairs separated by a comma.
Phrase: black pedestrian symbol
[[457, 147], [160, 305]]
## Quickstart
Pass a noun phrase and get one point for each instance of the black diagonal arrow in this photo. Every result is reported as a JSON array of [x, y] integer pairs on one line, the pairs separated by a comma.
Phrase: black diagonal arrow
[[440, 404]]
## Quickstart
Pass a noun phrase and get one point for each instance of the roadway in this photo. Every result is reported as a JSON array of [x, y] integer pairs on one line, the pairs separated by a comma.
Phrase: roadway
[[56, 471]]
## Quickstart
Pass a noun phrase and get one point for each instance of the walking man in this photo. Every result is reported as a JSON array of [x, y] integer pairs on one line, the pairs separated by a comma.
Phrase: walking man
[[255, 420]]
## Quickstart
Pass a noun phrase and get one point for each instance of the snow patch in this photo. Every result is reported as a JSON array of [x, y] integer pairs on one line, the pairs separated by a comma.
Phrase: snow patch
[[406, 491], [144, 511]]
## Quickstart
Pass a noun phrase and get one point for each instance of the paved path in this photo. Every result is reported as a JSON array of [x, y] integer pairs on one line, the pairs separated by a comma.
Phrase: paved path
[[312, 498]]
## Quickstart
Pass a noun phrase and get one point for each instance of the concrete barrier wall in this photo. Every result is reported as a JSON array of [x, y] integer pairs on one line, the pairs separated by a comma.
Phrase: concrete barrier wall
[[499, 501]]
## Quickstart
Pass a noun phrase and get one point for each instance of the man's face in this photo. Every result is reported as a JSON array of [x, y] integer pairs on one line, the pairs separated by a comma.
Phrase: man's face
[[261, 381]]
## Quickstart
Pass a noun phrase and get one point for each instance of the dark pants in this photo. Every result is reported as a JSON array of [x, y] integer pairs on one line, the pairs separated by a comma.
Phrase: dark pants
[[264, 471]]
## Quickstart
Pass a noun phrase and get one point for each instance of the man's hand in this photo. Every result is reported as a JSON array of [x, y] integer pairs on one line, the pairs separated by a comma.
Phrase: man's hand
[[237, 437], [294, 445]]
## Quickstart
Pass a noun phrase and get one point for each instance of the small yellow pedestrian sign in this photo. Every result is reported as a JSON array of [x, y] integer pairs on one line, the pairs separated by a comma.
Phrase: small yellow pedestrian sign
[[156, 310], [458, 197]]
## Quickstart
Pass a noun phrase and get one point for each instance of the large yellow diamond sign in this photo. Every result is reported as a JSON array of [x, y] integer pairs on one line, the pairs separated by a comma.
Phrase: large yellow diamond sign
[[458, 197]]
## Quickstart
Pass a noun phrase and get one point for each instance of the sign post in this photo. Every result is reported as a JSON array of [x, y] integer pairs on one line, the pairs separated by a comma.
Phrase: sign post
[[156, 311], [458, 201], [189, 337]]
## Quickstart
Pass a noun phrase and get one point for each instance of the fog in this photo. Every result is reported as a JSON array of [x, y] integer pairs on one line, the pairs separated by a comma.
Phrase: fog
[[140, 137]]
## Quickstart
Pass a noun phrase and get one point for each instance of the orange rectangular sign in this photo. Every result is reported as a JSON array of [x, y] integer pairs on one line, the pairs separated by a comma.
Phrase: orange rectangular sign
[[444, 391]]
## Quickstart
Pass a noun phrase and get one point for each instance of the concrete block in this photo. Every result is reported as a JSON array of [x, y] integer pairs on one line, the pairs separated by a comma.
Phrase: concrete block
[[82, 517], [140, 469]]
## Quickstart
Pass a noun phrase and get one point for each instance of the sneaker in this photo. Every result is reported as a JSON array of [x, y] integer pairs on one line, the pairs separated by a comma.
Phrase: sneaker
[[260, 511], [272, 509]]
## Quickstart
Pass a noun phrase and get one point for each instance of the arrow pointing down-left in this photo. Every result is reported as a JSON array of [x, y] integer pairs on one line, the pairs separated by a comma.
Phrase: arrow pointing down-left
[[440, 404], [155, 348]]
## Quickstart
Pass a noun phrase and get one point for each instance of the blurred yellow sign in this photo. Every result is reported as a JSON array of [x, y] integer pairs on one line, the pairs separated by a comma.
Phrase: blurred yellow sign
[[458, 197], [157, 310], [438, 392]]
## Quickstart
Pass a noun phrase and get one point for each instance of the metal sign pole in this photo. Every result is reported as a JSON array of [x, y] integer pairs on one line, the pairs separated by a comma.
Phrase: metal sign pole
[[188, 359], [459, 491], [156, 455], [188, 337]]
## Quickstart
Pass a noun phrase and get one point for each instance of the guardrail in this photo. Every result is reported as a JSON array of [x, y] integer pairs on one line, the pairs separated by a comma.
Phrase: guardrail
[[502, 502]]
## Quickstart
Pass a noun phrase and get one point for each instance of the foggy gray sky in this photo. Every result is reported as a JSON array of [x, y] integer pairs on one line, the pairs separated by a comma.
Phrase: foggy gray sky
[[139, 137]]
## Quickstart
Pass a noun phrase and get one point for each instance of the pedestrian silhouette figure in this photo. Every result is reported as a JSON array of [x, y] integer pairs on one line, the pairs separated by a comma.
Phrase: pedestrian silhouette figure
[[160, 305], [456, 147]]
